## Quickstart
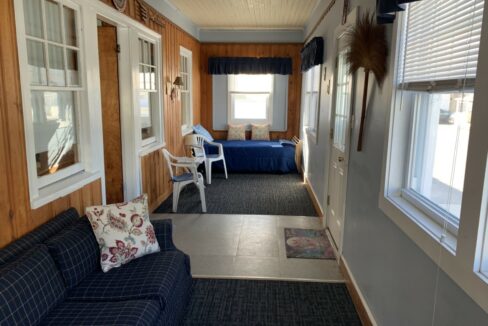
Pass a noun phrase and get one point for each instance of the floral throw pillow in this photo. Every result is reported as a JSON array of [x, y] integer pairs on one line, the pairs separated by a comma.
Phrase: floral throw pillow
[[123, 231], [236, 132], [260, 132]]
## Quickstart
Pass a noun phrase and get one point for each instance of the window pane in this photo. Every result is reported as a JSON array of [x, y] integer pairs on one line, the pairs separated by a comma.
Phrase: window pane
[[53, 22], [53, 115], [185, 108], [33, 18], [141, 77], [56, 66], [147, 78], [73, 76], [70, 26], [252, 83], [440, 148], [153, 79], [37, 62], [152, 60], [250, 106], [145, 107]]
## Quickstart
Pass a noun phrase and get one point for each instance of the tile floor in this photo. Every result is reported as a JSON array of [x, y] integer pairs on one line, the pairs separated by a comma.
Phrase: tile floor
[[246, 246]]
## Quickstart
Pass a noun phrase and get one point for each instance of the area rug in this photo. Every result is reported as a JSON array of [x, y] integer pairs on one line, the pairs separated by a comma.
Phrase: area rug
[[262, 194], [263, 302], [308, 243]]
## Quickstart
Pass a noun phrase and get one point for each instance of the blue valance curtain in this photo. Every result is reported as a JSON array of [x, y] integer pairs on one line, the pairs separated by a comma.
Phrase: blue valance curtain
[[249, 65], [386, 9], [313, 53]]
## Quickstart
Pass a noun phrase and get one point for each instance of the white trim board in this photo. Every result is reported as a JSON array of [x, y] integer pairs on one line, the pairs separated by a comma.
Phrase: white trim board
[[360, 293]]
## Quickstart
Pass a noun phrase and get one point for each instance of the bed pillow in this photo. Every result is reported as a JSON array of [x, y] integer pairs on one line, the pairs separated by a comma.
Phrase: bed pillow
[[123, 231], [260, 132], [200, 130], [236, 132]]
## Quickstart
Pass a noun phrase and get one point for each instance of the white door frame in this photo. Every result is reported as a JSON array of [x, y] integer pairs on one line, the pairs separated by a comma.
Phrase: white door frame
[[125, 25], [338, 34]]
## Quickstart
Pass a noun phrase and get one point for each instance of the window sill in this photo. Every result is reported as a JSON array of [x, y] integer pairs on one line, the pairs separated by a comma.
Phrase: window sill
[[151, 148], [419, 226], [63, 188]]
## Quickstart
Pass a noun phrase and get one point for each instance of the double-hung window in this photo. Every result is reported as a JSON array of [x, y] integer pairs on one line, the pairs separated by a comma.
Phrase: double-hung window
[[438, 54], [311, 100], [54, 94], [186, 90], [148, 94], [250, 99]]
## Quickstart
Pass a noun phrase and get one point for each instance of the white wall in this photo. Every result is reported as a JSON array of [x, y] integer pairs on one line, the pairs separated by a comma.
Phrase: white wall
[[397, 279], [220, 102]]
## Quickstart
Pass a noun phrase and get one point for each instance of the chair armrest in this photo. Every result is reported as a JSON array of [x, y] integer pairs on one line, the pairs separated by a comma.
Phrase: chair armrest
[[164, 234], [219, 146]]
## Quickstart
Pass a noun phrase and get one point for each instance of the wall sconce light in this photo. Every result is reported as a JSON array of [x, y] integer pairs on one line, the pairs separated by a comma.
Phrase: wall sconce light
[[176, 86]]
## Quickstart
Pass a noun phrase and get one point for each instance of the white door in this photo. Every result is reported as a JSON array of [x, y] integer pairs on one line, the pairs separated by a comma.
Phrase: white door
[[340, 136]]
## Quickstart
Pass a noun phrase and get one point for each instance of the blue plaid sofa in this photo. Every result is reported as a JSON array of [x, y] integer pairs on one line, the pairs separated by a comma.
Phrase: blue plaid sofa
[[52, 276]]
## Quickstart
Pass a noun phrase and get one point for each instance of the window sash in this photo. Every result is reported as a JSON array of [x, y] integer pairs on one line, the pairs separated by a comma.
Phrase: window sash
[[186, 89], [268, 114], [78, 89]]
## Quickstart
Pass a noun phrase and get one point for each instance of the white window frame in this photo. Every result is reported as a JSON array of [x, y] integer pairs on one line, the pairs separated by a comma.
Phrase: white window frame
[[156, 141], [310, 124], [186, 126], [248, 122], [45, 189], [464, 265]]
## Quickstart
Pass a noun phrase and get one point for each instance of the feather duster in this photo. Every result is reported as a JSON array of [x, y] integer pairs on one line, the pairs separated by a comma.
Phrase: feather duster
[[368, 49]]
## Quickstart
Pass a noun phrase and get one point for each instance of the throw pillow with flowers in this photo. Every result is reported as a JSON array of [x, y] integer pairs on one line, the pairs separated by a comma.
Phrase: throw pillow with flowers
[[123, 231]]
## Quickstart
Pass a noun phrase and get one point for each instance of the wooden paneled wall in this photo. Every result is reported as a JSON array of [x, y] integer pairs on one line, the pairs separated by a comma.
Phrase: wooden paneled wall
[[16, 216], [253, 50]]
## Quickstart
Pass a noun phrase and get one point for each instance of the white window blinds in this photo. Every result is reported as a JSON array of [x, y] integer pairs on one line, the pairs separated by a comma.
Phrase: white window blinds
[[441, 42]]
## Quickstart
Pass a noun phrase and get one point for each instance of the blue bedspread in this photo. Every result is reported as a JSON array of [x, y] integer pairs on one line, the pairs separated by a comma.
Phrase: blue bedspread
[[256, 156]]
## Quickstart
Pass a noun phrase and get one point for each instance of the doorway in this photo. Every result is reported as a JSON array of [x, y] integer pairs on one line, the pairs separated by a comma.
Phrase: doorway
[[111, 119], [339, 154]]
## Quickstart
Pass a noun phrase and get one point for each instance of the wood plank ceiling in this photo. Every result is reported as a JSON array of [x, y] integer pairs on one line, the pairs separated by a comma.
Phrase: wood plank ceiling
[[247, 13]]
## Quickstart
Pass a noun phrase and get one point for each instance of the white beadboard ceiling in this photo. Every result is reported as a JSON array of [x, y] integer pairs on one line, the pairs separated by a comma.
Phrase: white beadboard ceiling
[[286, 14]]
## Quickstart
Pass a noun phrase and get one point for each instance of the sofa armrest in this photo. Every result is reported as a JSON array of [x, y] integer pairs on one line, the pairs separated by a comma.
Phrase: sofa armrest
[[164, 234]]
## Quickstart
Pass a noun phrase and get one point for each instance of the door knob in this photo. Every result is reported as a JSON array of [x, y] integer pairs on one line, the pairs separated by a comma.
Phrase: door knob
[[340, 159]]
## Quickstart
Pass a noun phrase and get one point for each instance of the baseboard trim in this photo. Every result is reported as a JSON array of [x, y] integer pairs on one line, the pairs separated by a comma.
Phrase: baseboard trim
[[367, 318], [313, 197]]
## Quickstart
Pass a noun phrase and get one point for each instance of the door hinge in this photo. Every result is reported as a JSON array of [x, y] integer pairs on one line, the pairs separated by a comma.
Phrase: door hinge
[[328, 200], [331, 133], [118, 48]]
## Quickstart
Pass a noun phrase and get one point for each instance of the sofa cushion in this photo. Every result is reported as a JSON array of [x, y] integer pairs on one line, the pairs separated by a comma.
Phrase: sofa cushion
[[135, 312], [38, 236], [75, 251], [149, 277], [29, 288]]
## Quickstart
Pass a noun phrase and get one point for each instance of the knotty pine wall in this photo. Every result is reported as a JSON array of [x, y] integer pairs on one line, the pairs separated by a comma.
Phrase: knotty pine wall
[[16, 216], [253, 50]]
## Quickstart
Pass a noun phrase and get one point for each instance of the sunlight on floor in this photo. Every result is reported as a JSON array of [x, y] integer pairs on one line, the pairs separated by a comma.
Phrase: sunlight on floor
[[246, 246]]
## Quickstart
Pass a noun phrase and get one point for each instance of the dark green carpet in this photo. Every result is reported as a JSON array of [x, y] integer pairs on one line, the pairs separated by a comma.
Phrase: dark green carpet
[[263, 194], [245, 302]]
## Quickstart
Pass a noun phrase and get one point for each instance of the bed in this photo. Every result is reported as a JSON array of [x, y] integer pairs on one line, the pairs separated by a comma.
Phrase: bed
[[257, 156]]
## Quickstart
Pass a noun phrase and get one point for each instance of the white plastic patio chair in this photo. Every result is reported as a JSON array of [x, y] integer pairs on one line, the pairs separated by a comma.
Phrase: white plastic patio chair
[[180, 181], [197, 144]]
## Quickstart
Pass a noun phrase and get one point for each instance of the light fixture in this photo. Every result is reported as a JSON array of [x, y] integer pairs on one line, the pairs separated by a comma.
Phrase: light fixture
[[176, 86]]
